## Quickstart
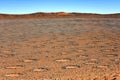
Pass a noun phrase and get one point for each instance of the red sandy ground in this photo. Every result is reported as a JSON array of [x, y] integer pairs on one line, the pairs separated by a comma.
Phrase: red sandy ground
[[60, 49]]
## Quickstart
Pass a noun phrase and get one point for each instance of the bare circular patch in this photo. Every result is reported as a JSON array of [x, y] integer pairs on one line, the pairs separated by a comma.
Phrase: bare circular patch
[[7, 51], [14, 67], [13, 74], [81, 50], [93, 59], [90, 63], [71, 67], [40, 70], [112, 55], [108, 50], [103, 66], [63, 60], [64, 53]]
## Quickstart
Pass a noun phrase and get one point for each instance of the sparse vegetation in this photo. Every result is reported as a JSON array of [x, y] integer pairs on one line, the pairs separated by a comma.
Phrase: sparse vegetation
[[60, 49]]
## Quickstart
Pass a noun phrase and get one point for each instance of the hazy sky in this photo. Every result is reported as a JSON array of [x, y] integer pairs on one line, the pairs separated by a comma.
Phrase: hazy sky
[[84, 6]]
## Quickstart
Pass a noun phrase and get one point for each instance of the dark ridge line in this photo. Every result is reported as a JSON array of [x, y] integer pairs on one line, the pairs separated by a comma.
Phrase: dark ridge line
[[59, 15]]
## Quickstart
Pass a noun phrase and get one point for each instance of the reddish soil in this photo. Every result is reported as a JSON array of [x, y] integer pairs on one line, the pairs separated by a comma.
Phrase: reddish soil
[[60, 49]]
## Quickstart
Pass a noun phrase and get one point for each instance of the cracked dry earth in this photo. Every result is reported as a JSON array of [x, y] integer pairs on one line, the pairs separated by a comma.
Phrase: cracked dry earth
[[60, 49]]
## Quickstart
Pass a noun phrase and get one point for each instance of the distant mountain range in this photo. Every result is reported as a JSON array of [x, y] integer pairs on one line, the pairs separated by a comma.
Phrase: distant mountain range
[[59, 15]]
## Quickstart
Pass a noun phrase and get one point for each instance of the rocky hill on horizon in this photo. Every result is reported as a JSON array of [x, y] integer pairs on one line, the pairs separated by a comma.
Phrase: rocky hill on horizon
[[59, 15]]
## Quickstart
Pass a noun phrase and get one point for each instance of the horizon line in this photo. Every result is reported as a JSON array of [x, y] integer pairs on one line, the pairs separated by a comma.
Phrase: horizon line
[[56, 12]]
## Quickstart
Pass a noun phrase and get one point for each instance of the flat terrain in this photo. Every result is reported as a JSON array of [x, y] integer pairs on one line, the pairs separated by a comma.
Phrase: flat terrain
[[60, 49]]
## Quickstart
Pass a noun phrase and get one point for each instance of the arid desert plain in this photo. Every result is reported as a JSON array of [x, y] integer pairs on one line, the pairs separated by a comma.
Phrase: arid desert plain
[[60, 49]]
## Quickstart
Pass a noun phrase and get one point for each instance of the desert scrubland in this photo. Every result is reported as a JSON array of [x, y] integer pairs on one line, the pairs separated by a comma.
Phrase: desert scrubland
[[60, 49]]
